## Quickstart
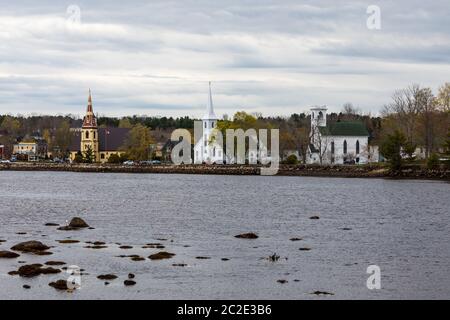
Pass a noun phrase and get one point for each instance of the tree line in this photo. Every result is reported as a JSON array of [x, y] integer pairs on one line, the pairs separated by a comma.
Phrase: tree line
[[414, 118]]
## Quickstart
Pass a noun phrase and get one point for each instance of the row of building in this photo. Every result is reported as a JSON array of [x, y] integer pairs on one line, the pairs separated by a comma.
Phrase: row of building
[[340, 143]]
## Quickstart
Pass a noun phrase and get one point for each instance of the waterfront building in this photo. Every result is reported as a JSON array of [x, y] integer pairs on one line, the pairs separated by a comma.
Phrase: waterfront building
[[206, 149], [30, 149], [103, 142], [337, 143]]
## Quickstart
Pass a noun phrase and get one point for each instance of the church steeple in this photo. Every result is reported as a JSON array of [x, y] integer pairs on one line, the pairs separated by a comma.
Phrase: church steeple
[[210, 115], [89, 120]]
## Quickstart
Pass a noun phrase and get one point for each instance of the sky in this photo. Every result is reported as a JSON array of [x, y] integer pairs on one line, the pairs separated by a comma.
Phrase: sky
[[272, 57]]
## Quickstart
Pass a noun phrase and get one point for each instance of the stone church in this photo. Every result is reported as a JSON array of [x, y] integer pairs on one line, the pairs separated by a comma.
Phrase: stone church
[[103, 142]]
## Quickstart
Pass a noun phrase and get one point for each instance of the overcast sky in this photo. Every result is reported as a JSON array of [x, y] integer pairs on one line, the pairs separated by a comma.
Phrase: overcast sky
[[274, 57]]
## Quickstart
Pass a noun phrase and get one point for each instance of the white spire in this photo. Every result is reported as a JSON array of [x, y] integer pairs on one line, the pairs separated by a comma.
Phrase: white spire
[[210, 115]]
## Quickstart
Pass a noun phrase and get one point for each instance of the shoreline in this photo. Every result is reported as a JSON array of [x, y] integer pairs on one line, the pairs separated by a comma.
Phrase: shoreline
[[340, 171]]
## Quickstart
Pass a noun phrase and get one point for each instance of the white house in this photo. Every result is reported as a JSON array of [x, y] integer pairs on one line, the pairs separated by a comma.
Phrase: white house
[[341, 142], [206, 149]]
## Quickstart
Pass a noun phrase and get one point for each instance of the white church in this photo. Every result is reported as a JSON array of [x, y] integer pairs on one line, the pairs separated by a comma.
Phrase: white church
[[342, 142], [206, 149]]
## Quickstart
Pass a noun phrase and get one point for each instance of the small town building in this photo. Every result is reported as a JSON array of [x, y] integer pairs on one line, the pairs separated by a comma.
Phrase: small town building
[[206, 149], [101, 142], [338, 143], [30, 149]]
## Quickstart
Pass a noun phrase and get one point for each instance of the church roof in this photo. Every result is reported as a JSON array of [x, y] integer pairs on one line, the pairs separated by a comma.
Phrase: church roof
[[109, 139], [210, 115], [345, 128]]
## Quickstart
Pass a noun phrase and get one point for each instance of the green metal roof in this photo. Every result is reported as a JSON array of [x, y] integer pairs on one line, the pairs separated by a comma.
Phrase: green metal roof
[[345, 128]]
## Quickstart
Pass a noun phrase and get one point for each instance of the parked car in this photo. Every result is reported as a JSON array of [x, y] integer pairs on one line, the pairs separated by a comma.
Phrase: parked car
[[156, 162], [5, 161], [145, 162], [129, 163]]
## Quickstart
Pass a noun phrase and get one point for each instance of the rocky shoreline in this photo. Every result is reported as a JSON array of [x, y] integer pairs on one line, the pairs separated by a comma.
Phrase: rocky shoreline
[[363, 171]]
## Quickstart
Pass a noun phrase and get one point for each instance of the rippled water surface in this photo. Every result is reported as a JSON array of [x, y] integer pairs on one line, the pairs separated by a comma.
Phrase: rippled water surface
[[401, 226]]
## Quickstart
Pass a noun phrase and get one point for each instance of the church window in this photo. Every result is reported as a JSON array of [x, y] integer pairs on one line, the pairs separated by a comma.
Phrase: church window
[[94, 134], [214, 152], [357, 146], [102, 156], [345, 146], [205, 125], [87, 134], [212, 124]]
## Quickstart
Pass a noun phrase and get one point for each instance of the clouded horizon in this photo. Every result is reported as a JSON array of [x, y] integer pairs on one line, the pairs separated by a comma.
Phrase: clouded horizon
[[272, 57]]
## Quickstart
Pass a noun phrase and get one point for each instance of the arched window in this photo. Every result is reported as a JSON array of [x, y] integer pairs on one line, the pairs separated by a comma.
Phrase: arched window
[[94, 134], [345, 146], [87, 134], [357, 146], [214, 152], [320, 115], [212, 124], [332, 147], [205, 124]]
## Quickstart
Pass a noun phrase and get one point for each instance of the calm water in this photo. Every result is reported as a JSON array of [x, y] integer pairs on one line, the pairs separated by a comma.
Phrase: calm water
[[401, 226]]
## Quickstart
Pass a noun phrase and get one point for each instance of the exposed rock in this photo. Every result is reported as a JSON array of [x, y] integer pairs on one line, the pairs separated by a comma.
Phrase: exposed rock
[[282, 281], [59, 285], [30, 246], [55, 263], [66, 241], [314, 218], [153, 246], [25, 286], [2, 241], [131, 276], [107, 277], [33, 270], [95, 247], [8, 255], [75, 224], [42, 253], [138, 258], [129, 282], [78, 223], [161, 255], [126, 247], [295, 239], [179, 265], [304, 249], [247, 236], [225, 259], [51, 224], [99, 243], [106, 283], [346, 229], [21, 233], [322, 293], [202, 258], [13, 273]]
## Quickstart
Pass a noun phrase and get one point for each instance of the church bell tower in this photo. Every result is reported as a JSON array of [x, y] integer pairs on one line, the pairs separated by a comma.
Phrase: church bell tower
[[89, 132]]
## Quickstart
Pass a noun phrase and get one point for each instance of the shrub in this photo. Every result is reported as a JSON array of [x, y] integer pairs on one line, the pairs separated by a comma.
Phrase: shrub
[[114, 158], [291, 159], [433, 161]]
